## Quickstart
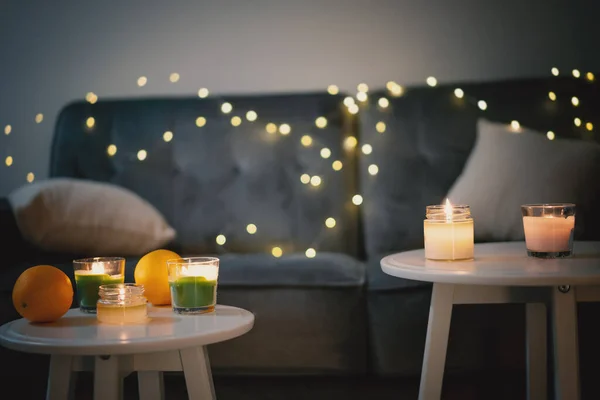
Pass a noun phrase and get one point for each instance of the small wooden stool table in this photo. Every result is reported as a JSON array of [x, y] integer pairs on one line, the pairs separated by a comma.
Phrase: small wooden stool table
[[503, 273], [168, 342]]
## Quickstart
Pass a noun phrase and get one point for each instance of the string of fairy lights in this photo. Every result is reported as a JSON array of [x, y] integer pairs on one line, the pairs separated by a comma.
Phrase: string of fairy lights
[[352, 105]]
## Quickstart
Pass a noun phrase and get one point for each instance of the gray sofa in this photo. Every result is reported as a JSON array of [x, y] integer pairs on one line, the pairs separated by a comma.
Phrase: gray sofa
[[336, 313]]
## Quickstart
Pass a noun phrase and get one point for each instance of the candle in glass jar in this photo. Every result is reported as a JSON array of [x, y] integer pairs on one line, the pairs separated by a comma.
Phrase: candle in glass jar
[[448, 233], [91, 273], [549, 229], [193, 283]]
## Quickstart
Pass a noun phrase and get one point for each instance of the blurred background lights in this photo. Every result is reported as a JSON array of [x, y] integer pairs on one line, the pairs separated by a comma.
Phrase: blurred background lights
[[203, 93], [226, 108], [576, 73], [321, 122], [362, 96], [111, 150], [39, 118], [380, 126], [353, 109], [8, 161], [251, 115], [431, 81], [458, 92], [276, 252], [200, 122], [30, 177], [395, 89], [590, 76], [306, 140], [310, 252], [91, 97], [367, 149], [350, 142], [90, 122], [271, 128], [142, 80], [383, 102], [550, 135], [554, 71], [168, 136], [141, 155], [236, 121], [348, 101], [7, 129], [362, 87], [357, 199], [325, 152], [251, 229], [315, 180], [589, 126], [305, 178], [285, 129], [337, 165], [333, 89], [515, 125], [373, 169], [574, 101], [221, 239], [174, 77], [552, 96], [577, 121], [330, 222], [482, 105]]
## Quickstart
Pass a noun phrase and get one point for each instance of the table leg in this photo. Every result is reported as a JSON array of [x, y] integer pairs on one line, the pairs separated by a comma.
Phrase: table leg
[[566, 346], [436, 343], [151, 385], [60, 385], [107, 380], [198, 376], [536, 351]]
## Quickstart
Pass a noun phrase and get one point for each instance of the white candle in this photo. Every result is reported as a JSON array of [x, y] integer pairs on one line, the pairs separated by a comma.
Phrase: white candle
[[548, 233], [449, 236]]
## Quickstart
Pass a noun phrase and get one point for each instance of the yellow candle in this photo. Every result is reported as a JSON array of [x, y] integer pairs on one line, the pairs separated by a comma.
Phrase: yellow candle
[[548, 233], [448, 233]]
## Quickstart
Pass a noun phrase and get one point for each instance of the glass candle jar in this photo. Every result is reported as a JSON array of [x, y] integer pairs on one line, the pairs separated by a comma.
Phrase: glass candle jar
[[90, 273], [193, 284], [549, 229], [448, 232], [122, 303]]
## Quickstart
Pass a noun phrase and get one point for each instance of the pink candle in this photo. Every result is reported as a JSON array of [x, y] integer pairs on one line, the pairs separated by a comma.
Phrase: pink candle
[[548, 233]]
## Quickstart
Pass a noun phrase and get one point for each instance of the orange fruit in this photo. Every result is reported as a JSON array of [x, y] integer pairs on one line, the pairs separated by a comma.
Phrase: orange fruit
[[151, 271], [42, 294]]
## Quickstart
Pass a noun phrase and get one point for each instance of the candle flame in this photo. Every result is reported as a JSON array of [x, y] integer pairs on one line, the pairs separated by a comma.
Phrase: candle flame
[[98, 268], [448, 210]]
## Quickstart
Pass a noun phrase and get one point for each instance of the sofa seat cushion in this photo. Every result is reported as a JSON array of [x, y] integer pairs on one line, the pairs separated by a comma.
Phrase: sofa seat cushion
[[295, 270]]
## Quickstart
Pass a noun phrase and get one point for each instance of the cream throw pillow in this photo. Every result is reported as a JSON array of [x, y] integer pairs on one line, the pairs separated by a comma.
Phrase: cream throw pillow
[[90, 218], [507, 169]]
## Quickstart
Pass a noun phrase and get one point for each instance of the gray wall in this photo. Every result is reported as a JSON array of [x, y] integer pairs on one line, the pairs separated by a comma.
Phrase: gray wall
[[54, 51]]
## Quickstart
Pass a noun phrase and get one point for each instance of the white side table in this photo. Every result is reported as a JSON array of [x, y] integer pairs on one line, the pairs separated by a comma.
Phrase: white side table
[[503, 273], [168, 342]]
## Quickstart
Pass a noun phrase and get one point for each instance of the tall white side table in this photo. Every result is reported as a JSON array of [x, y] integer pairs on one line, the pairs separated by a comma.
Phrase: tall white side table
[[168, 342], [503, 273]]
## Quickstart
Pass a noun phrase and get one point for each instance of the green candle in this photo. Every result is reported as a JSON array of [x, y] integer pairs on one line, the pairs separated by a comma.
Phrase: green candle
[[193, 292], [87, 284]]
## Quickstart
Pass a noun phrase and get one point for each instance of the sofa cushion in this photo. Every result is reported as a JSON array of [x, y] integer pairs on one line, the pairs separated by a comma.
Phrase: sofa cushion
[[216, 176], [86, 217], [508, 169], [429, 134]]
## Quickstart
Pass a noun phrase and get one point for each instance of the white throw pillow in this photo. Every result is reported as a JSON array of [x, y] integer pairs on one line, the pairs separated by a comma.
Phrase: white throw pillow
[[86, 217], [507, 169]]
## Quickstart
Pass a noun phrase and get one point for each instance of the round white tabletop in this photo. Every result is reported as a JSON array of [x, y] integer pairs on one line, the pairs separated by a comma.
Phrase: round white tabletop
[[77, 333], [502, 264]]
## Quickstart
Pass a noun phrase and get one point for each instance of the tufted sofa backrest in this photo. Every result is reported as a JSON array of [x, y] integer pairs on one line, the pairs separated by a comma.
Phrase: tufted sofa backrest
[[214, 173], [421, 141]]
